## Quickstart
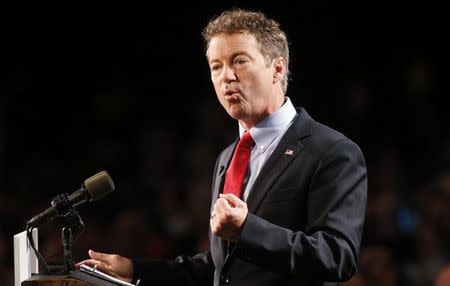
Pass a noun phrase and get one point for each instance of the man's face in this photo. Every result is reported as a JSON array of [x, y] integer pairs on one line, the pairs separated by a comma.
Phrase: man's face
[[243, 82]]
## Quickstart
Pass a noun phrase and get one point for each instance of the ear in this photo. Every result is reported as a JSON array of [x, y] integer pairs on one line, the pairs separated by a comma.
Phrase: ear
[[279, 68]]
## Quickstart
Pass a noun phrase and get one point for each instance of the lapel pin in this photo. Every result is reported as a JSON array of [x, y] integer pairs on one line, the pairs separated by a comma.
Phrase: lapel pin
[[289, 152]]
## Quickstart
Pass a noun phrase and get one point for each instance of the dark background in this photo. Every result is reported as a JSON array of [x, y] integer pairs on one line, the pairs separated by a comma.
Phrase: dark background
[[127, 89]]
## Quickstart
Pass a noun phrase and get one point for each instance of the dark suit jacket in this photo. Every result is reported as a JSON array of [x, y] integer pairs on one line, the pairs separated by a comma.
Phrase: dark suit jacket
[[305, 220]]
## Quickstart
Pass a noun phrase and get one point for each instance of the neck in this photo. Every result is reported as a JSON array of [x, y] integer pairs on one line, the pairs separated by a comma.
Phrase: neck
[[248, 123]]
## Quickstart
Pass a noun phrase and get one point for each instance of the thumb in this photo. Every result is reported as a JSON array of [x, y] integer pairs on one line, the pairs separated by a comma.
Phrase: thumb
[[97, 255], [232, 199]]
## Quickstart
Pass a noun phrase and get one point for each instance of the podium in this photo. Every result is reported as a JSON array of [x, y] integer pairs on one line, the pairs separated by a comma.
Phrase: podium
[[54, 280], [63, 206], [77, 278]]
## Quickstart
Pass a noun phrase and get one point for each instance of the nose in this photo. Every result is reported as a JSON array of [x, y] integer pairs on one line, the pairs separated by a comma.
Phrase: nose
[[228, 74]]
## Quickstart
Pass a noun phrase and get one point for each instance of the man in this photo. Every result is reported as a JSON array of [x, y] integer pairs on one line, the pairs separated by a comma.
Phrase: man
[[288, 199]]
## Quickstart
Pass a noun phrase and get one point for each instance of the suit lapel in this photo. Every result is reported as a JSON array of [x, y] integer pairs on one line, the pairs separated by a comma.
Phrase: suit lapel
[[217, 244], [287, 150], [222, 166]]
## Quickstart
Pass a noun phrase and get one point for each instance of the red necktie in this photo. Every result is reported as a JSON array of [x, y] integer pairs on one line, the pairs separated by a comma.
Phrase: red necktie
[[238, 166]]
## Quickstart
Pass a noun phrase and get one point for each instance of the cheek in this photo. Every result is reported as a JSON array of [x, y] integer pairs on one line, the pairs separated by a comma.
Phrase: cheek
[[215, 84], [218, 94], [250, 79]]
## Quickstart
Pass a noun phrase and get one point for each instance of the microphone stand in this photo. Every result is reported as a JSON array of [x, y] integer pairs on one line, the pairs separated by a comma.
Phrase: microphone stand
[[65, 210], [73, 228], [66, 240]]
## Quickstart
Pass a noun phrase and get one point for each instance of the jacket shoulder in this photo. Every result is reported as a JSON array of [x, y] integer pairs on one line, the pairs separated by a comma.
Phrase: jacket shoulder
[[322, 137]]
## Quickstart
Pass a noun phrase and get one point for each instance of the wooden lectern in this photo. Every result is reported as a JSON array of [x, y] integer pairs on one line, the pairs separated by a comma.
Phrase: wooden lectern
[[76, 278], [54, 280]]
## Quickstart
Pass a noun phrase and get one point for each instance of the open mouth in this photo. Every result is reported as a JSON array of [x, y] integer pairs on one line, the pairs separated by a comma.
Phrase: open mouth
[[231, 94]]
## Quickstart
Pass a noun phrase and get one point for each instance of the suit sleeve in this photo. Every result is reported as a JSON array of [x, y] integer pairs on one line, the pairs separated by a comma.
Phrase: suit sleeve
[[184, 270], [328, 247]]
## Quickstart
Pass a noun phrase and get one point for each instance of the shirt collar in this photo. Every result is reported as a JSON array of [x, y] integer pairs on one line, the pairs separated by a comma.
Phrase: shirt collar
[[272, 126]]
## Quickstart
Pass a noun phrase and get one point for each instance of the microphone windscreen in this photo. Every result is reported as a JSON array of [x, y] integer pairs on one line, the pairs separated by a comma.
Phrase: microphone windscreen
[[99, 185]]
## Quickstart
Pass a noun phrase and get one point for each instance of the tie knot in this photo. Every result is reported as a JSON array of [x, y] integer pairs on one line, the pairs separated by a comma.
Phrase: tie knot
[[247, 140]]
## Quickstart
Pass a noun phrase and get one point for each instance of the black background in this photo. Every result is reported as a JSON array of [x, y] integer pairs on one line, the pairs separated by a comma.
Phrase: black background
[[92, 88]]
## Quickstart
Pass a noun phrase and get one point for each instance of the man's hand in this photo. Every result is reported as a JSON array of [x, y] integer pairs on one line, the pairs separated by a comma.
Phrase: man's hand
[[112, 264], [228, 216]]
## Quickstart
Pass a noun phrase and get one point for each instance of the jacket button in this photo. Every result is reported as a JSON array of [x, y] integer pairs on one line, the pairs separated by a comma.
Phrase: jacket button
[[227, 281]]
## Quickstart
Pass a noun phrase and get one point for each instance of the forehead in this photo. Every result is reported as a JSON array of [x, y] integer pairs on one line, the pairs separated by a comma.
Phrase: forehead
[[224, 45]]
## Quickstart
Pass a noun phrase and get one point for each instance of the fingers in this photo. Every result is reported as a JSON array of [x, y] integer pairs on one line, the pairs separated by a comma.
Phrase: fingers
[[224, 205], [220, 208], [98, 255], [89, 262], [101, 260], [228, 216], [112, 264], [86, 261], [231, 199], [94, 263]]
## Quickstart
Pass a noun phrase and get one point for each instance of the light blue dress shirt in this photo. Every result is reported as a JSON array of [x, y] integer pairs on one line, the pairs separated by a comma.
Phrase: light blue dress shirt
[[266, 134]]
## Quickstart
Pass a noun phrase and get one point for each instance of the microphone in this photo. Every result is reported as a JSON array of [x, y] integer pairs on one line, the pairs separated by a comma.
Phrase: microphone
[[92, 189]]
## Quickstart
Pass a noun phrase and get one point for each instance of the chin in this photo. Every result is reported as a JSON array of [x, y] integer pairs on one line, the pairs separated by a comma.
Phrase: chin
[[236, 113]]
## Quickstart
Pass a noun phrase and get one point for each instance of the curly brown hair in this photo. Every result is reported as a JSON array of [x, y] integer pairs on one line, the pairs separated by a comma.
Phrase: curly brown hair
[[271, 39]]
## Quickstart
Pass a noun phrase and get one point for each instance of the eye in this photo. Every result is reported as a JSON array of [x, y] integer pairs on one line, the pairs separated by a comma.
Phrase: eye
[[240, 61], [215, 67]]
